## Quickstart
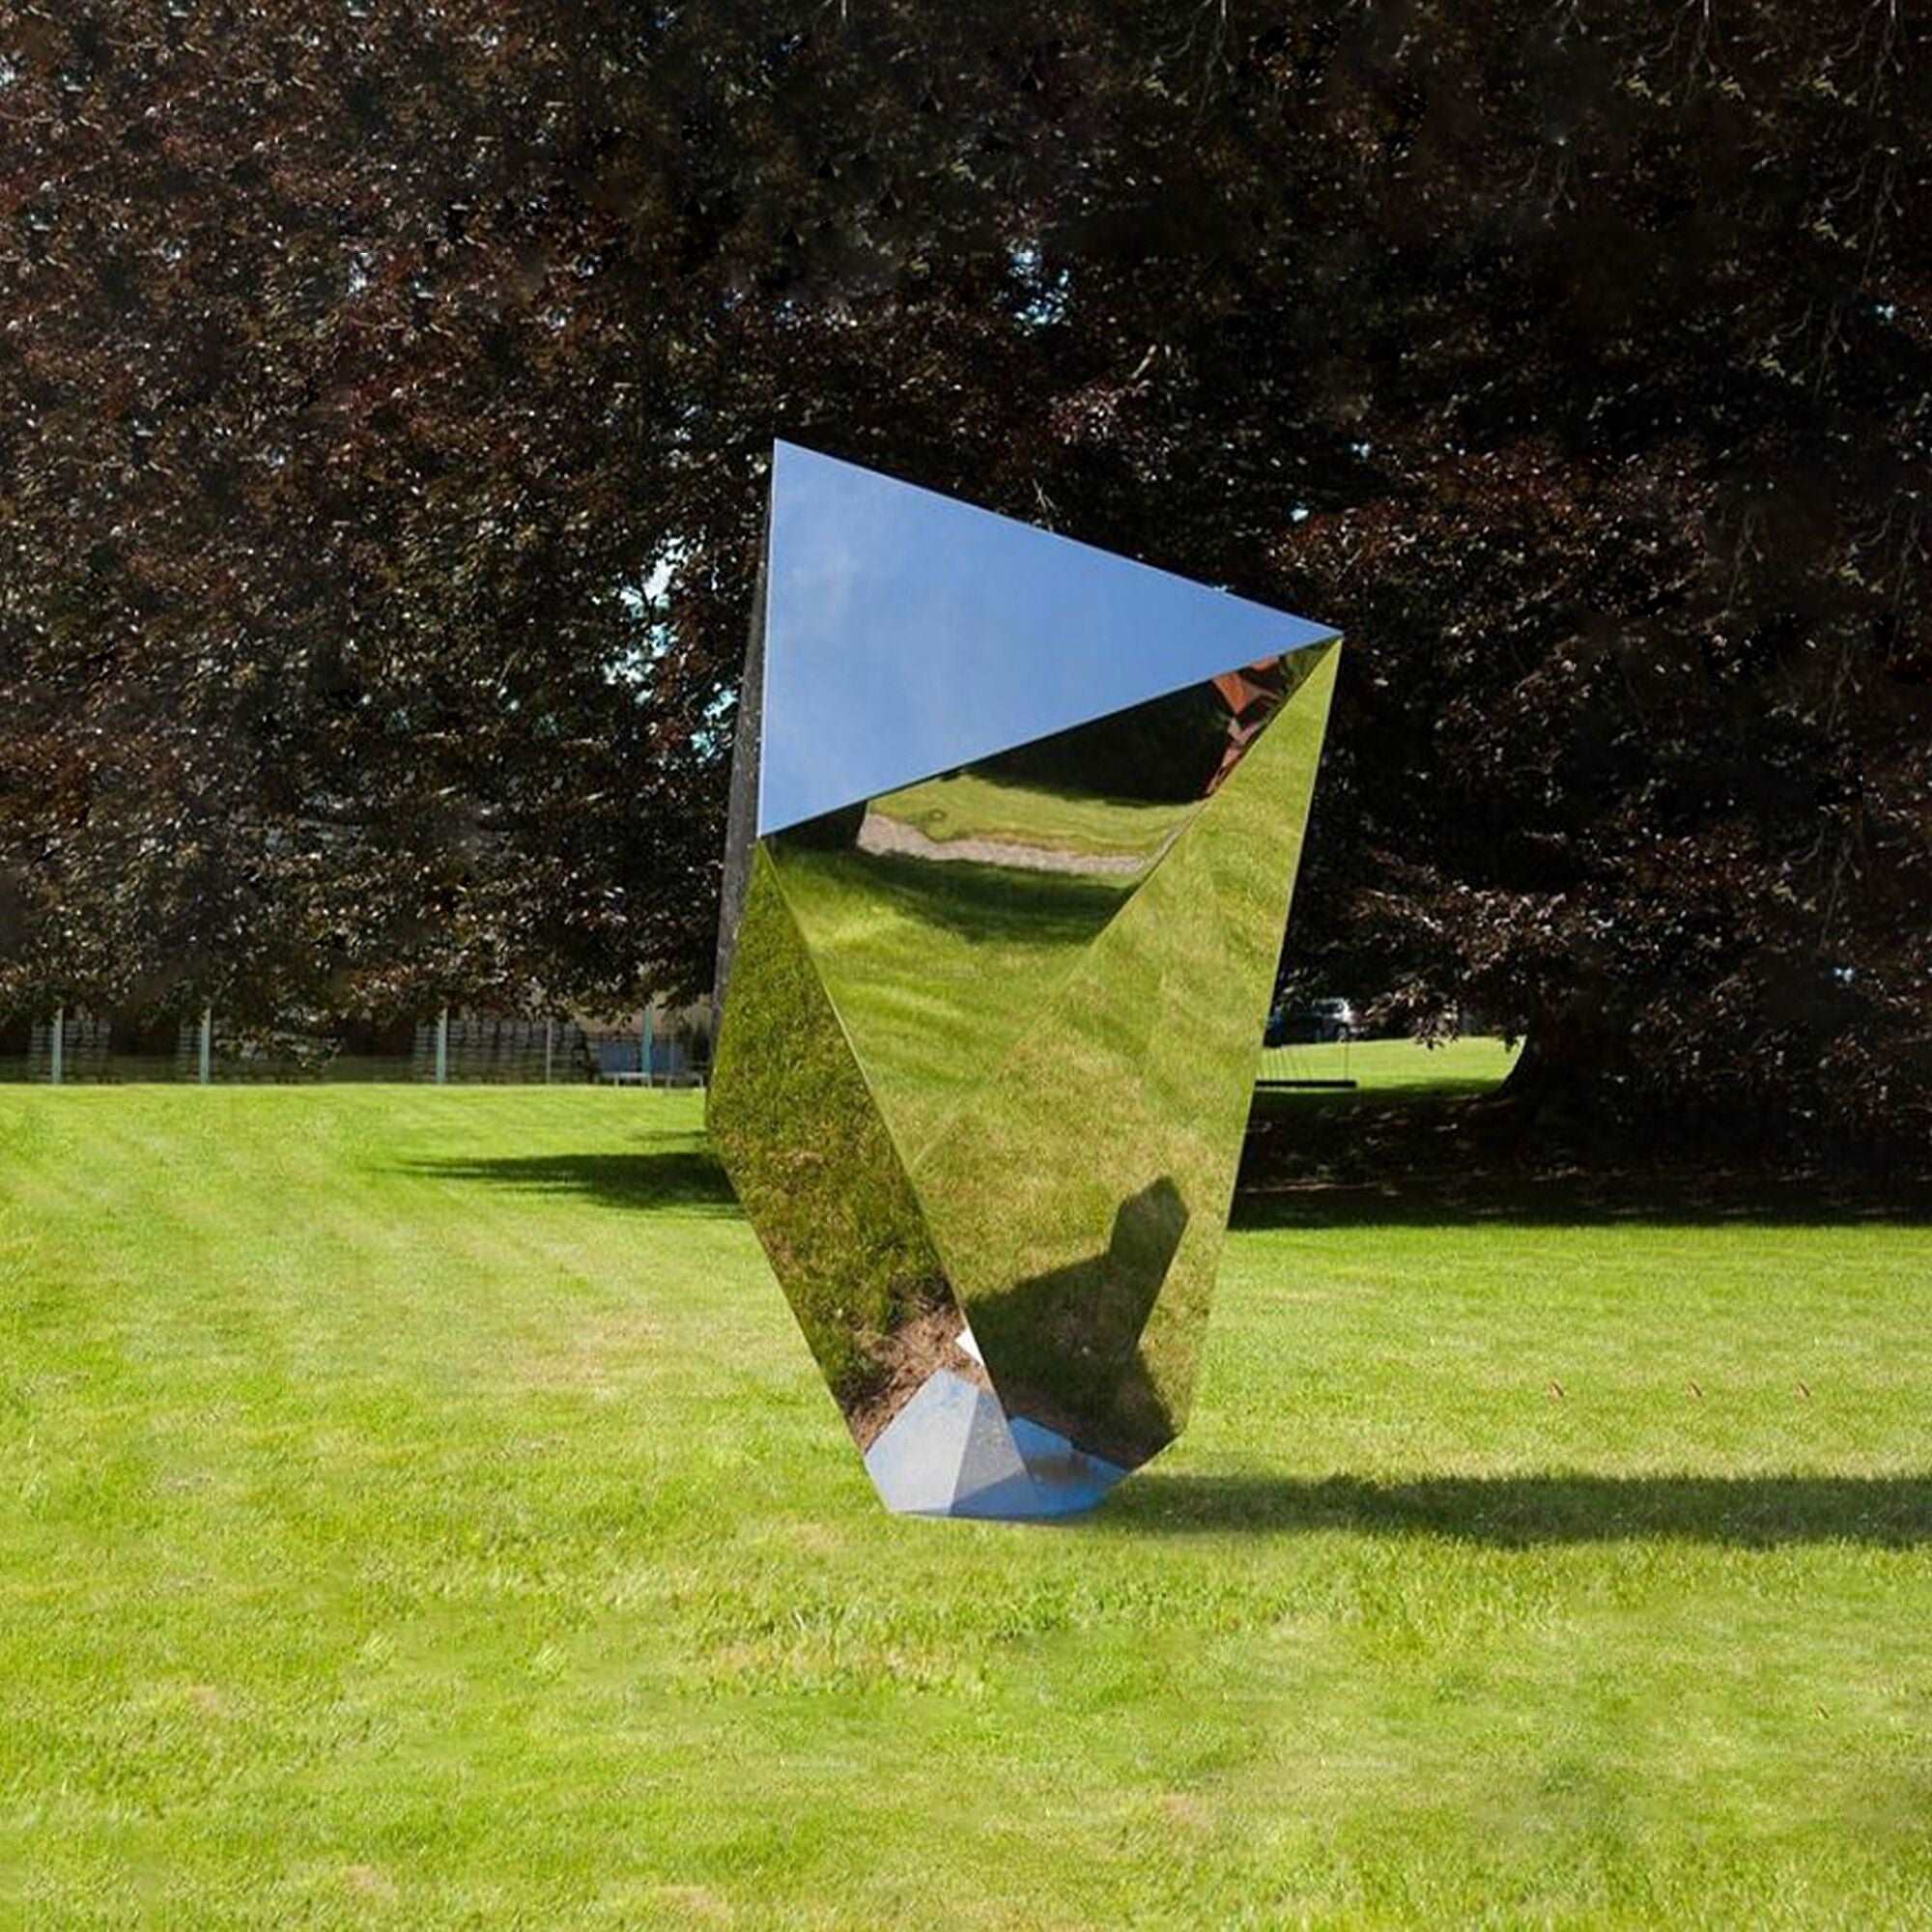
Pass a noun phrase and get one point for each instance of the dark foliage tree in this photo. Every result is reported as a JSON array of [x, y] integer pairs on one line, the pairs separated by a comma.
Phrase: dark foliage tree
[[383, 396]]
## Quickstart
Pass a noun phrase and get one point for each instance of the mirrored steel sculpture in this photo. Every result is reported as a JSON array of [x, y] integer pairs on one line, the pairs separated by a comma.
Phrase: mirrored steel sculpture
[[1015, 827]]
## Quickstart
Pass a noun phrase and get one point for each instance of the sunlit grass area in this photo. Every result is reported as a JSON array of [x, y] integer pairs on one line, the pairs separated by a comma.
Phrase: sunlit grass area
[[969, 804], [419, 1510], [1456, 1067]]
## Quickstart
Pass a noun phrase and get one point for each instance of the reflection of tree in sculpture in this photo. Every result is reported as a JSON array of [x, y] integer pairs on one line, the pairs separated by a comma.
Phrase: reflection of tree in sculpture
[[980, 999], [1169, 750]]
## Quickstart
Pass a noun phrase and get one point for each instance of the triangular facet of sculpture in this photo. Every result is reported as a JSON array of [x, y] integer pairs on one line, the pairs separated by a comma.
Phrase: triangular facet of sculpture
[[932, 984], [908, 635], [991, 1032]]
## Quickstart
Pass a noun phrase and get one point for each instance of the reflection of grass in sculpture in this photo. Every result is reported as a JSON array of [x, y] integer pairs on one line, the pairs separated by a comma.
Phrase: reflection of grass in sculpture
[[970, 805], [1049, 1046], [1133, 1084], [813, 1162], [937, 967], [1114, 1093]]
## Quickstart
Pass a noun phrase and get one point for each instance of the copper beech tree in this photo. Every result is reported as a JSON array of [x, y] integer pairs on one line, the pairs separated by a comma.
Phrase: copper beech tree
[[384, 389]]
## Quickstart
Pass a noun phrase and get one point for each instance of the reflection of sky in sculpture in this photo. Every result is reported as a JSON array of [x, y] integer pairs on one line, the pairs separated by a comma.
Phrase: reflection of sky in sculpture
[[908, 635]]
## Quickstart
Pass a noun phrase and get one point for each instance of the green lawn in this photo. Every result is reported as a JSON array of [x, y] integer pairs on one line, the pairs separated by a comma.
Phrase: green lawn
[[1458, 1067], [417, 1509]]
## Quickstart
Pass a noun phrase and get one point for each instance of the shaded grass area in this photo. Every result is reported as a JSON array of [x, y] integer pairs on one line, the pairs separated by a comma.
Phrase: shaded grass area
[[1427, 1139], [1516, 1512], [418, 1508]]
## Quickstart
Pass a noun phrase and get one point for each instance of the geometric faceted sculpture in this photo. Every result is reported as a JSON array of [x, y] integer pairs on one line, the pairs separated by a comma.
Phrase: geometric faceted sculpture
[[1014, 828]]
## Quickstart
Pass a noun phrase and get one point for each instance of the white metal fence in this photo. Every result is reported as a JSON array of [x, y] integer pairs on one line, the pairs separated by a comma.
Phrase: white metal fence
[[71, 1046]]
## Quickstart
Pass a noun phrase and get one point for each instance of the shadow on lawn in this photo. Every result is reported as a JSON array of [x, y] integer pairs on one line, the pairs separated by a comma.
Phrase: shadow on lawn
[[1521, 1512], [689, 1175], [684, 1176], [1517, 1200], [1427, 1161]]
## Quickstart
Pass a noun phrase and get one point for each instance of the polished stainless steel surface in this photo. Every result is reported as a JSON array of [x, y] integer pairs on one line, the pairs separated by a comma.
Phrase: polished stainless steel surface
[[991, 1033], [909, 634]]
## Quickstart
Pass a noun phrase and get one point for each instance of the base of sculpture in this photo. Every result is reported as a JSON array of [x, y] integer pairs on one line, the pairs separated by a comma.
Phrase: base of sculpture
[[954, 1451]]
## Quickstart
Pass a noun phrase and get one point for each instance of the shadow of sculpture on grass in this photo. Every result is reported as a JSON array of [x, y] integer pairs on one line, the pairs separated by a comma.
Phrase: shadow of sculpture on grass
[[686, 1177], [1526, 1512]]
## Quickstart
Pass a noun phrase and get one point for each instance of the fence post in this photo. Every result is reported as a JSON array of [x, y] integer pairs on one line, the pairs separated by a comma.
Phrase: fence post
[[207, 1055], [650, 1047], [442, 1048], [57, 1045], [549, 1034]]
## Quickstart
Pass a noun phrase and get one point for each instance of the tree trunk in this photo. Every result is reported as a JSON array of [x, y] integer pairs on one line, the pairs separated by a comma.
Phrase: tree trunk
[[1566, 1083]]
